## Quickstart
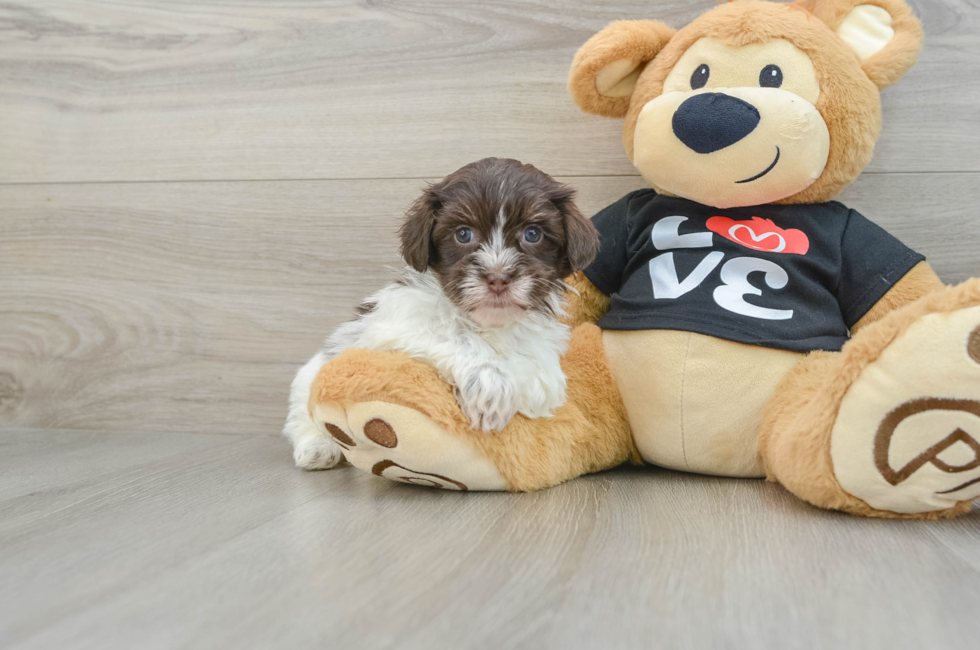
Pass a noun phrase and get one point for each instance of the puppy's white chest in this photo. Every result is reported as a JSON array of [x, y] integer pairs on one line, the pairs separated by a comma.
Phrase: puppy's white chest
[[531, 351], [516, 367]]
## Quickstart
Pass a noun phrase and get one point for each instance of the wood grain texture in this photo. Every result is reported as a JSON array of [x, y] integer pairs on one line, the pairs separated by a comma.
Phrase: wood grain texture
[[163, 316], [188, 306], [184, 90], [171, 540]]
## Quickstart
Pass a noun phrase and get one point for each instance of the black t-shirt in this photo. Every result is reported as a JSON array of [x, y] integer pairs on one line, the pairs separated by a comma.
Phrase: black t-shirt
[[790, 277]]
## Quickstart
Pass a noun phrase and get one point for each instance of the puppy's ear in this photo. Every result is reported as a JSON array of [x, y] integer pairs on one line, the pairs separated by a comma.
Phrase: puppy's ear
[[581, 237], [884, 34], [606, 68], [416, 230]]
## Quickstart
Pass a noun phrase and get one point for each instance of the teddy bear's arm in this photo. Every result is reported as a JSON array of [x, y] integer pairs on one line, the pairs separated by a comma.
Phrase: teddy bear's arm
[[918, 282], [587, 305]]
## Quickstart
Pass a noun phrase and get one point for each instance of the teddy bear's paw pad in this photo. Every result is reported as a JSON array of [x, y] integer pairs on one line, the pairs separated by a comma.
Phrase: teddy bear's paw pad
[[323, 447], [402, 444], [331, 421], [907, 436]]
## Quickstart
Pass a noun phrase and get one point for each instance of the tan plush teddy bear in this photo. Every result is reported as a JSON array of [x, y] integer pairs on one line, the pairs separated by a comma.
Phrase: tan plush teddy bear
[[747, 324]]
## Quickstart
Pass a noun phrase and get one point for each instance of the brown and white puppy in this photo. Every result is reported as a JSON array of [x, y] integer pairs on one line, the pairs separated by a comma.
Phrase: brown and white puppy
[[500, 237], [487, 249]]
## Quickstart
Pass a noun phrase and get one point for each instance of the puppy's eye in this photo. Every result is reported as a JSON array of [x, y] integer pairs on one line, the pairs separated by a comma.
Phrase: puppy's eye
[[771, 77], [532, 235], [700, 76], [464, 235]]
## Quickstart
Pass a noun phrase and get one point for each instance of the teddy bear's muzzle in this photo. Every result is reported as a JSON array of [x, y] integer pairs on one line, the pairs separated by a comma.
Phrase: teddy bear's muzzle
[[731, 147], [710, 122]]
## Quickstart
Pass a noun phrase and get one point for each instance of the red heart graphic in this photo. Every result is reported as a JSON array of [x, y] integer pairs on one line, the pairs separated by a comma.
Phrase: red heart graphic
[[761, 235]]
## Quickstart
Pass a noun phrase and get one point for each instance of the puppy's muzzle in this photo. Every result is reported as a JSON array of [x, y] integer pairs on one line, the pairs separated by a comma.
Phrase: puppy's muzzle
[[498, 283]]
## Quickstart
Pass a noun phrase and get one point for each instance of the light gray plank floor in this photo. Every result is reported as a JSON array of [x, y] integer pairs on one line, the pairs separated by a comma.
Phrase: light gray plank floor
[[123, 540]]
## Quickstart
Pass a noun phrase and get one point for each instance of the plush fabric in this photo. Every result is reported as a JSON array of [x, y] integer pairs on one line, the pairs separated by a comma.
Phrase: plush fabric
[[795, 434], [632, 41], [588, 434], [587, 304], [887, 427], [921, 280], [849, 101], [695, 401], [889, 64]]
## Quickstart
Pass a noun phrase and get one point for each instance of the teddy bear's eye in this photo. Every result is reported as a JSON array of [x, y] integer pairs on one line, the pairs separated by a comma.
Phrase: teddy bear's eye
[[771, 77], [700, 76]]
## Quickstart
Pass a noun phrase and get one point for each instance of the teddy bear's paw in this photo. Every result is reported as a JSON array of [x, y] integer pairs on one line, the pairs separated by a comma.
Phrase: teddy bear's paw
[[907, 435], [402, 444]]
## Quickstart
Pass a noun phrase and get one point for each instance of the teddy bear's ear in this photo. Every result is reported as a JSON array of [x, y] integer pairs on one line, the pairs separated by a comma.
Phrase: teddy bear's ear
[[884, 34], [606, 68]]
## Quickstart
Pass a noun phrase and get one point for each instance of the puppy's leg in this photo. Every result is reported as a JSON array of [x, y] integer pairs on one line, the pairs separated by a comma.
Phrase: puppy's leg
[[311, 448], [487, 393]]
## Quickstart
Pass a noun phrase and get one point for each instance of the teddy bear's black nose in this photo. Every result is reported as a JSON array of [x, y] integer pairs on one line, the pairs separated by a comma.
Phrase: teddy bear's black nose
[[713, 121]]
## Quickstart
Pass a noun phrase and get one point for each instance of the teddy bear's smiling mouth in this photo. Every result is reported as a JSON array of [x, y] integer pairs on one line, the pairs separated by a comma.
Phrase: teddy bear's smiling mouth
[[767, 170]]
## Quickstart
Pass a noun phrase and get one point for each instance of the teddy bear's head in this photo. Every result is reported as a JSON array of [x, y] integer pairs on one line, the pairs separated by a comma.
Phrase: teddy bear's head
[[754, 102]]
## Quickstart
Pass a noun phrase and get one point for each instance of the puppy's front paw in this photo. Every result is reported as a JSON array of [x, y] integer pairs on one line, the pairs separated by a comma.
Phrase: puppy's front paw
[[488, 397], [317, 453]]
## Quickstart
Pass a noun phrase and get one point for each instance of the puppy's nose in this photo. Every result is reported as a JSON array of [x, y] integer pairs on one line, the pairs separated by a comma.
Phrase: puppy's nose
[[498, 282], [712, 121]]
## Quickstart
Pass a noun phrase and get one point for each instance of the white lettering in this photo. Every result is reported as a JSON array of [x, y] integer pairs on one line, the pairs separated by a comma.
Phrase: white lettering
[[665, 235], [735, 275], [663, 275]]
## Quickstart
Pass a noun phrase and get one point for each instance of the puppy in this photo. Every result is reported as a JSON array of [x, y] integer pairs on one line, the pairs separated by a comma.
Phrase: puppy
[[487, 249]]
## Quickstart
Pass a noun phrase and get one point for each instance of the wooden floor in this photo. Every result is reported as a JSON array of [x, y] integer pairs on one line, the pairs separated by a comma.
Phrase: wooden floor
[[194, 192], [125, 540]]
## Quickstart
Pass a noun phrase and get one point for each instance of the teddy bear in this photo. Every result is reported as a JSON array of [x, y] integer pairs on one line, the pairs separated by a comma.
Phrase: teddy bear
[[737, 320]]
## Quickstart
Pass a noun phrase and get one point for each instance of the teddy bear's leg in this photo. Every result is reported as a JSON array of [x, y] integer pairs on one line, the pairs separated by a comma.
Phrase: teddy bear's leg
[[395, 417], [889, 426]]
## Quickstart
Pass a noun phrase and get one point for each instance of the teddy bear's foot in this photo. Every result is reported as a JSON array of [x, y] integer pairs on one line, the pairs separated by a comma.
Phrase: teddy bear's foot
[[889, 426], [907, 435], [402, 444], [396, 418]]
